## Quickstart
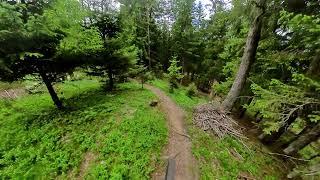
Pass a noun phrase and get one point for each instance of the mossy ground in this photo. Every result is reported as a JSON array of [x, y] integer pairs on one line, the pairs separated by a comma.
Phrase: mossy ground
[[119, 128]]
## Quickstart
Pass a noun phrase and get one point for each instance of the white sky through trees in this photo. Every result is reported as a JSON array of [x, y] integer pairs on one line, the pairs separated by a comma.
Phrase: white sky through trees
[[207, 5]]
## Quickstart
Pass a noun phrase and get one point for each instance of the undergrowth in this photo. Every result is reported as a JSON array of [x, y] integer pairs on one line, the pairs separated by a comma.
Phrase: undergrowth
[[13, 85], [119, 128], [226, 158]]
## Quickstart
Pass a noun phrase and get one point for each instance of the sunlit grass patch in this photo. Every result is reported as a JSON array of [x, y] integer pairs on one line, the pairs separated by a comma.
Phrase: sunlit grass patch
[[124, 133], [179, 95]]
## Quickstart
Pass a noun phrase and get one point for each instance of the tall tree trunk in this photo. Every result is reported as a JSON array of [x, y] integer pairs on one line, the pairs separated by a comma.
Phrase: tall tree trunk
[[149, 42], [110, 76], [302, 141], [52, 92], [270, 138], [247, 59]]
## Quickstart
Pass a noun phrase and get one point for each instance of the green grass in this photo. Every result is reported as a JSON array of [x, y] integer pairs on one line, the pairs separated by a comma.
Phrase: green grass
[[214, 155], [179, 95], [121, 130]]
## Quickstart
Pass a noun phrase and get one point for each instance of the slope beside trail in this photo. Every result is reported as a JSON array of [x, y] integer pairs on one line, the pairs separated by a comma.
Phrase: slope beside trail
[[179, 146]]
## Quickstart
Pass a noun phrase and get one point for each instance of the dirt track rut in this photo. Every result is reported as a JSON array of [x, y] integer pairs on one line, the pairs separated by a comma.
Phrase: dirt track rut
[[179, 146]]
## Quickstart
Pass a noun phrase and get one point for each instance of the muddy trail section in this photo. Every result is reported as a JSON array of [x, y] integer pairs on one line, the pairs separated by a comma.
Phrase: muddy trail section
[[181, 165]]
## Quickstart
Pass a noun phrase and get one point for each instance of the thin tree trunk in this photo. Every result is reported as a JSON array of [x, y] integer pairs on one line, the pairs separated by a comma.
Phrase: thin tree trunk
[[243, 110], [270, 138], [192, 75], [142, 82], [52, 92], [314, 67], [247, 59], [149, 48], [110, 76], [304, 140]]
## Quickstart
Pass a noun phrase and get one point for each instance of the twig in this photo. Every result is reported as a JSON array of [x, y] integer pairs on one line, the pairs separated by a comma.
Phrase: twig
[[284, 155], [181, 134]]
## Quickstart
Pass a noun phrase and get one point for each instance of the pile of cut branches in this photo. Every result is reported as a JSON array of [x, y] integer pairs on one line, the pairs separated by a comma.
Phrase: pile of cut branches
[[210, 118]]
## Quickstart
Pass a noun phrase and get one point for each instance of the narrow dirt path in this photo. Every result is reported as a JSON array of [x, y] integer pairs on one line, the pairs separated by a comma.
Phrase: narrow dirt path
[[179, 146]]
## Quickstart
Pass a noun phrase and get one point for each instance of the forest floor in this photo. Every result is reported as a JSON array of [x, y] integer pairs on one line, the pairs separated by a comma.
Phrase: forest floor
[[226, 158], [117, 135], [184, 166], [106, 135]]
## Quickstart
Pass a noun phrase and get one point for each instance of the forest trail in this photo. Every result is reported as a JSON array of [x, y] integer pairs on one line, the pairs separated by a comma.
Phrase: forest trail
[[179, 146]]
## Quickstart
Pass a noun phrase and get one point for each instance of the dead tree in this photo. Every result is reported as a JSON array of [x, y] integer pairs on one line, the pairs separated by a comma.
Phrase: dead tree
[[271, 138], [303, 140]]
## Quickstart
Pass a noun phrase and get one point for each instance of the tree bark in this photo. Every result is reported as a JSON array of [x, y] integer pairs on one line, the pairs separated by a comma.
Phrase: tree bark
[[270, 138], [192, 76], [110, 76], [306, 129], [314, 156], [149, 42], [51, 90], [247, 59], [304, 140], [314, 67]]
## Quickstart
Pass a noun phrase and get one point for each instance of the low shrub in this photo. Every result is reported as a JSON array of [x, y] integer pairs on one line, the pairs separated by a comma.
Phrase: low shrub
[[191, 90]]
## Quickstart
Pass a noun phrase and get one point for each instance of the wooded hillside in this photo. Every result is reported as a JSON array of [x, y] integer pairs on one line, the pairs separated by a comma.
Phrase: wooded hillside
[[257, 60]]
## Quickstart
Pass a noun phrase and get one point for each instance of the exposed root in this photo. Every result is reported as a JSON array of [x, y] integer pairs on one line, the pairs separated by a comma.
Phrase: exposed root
[[210, 118]]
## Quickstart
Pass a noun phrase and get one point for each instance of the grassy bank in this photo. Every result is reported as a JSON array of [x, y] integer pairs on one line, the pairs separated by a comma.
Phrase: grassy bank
[[120, 132], [224, 158]]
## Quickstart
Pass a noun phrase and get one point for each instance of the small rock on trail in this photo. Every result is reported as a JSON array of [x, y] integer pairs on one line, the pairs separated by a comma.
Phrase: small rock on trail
[[153, 103]]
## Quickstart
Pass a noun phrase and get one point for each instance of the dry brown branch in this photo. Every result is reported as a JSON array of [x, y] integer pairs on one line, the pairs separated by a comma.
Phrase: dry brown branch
[[181, 134], [284, 155], [210, 118]]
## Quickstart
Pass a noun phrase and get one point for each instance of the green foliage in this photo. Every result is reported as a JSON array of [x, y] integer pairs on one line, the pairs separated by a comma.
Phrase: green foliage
[[179, 95], [55, 33], [305, 26], [191, 90], [78, 40], [39, 141], [276, 102], [174, 74], [141, 73], [217, 160], [81, 41], [222, 88]]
